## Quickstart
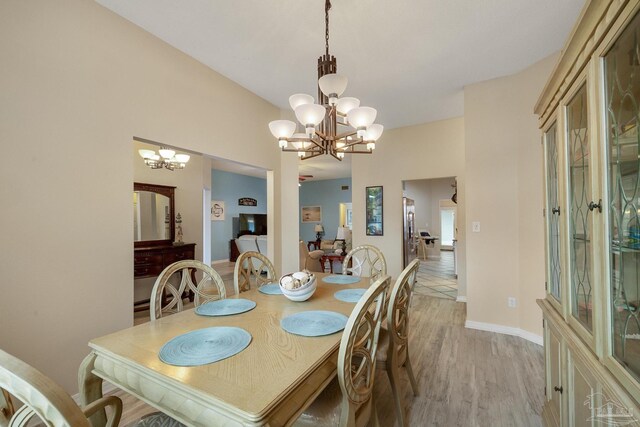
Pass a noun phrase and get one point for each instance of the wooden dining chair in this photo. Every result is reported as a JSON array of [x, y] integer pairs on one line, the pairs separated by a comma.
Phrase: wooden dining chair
[[252, 269], [348, 402], [44, 399], [393, 348], [365, 260], [209, 288]]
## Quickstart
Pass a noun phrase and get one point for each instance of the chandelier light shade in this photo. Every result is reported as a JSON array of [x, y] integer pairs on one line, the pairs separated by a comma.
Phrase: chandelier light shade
[[167, 159], [300, 99], [332, 85], [361, 118], [333, 125], [346, 104], [282, 129]]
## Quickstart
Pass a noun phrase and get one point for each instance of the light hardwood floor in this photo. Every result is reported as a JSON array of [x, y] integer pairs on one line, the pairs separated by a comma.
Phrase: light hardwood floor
[[466, 377]]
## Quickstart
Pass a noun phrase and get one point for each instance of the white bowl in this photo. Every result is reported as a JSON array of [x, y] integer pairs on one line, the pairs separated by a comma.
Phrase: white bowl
[[302, 293]]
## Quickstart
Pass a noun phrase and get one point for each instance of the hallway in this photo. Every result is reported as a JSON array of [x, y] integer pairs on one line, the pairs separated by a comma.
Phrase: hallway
[[436, 277]]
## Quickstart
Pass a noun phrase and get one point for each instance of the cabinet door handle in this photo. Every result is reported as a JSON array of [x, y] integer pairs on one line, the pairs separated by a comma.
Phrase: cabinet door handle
[[556, 388], [555, 210], [598, 205]]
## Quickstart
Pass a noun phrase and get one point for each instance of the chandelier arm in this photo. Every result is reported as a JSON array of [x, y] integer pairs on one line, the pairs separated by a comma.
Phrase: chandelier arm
[[357, 142], [335, 156], [346, 134], [358, 152], [293, 150], [312, 156]]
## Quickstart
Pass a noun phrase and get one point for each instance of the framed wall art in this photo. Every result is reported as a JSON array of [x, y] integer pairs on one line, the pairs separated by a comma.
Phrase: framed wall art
[[311, 214], [374, 211]]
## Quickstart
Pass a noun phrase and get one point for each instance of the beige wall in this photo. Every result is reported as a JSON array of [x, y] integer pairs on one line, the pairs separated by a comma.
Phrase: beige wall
[[432, 150], [77, 83], [504, 193]]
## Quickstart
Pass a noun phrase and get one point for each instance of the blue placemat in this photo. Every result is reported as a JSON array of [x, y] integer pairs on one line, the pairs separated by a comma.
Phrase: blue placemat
[[270, 289], [225, 307], [314, 323], [204, 346], [350, 295], [340, 279]]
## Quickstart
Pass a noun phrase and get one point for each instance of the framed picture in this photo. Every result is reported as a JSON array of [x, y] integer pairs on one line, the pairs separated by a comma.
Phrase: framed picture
[[374, 211], [217, 210], [311, 214]]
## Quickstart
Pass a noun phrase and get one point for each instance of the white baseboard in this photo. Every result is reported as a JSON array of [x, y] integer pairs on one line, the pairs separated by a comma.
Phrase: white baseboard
[[507, 330], [219, 261], [461, 298]]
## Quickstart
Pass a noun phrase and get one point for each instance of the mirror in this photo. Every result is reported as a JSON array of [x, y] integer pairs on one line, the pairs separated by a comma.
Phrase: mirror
[[153, 214]]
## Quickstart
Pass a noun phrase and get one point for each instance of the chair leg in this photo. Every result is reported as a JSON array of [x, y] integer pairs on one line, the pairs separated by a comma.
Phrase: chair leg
[[392, 371], [374, 415], [412, 378]]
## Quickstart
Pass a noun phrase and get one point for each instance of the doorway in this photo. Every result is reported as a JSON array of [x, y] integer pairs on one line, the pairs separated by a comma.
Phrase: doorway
[[447, 225], [435, 219]]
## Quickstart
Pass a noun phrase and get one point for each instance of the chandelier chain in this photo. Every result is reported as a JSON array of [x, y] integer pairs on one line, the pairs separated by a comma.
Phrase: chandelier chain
[[327, 6]]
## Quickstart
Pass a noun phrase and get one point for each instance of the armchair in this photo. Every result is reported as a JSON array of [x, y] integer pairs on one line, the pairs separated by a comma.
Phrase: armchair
[[310, 260]]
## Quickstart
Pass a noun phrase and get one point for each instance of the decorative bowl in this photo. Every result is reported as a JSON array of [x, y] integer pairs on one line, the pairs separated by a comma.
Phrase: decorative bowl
[[299, 287]]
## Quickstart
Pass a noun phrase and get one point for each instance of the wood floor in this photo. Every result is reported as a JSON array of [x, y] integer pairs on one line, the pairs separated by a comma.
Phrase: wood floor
[[466, 377]]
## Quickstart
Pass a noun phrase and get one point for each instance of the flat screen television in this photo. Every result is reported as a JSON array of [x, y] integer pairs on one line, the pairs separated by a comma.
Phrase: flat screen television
[[252, 224]]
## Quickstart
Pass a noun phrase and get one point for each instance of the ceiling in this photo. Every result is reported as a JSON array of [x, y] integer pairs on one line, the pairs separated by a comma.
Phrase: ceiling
[[408, 59]]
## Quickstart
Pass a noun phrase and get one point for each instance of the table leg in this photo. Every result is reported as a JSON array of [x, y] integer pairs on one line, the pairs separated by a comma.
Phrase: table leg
[[90, 386]]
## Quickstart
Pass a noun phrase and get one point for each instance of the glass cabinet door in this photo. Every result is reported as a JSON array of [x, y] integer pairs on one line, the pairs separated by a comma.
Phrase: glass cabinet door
[[622, 96], [579, 157], [553, 214]]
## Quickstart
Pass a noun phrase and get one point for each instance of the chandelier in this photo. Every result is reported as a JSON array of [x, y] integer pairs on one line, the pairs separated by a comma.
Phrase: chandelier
[[166, 159], [335, 125]]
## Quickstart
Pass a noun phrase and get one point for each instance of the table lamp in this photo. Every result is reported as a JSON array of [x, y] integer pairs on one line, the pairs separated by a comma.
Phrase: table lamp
[[319, 230], [344, 233]]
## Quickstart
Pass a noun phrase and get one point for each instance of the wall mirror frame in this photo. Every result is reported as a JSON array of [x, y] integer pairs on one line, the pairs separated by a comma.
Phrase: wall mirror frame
[[169, 192]]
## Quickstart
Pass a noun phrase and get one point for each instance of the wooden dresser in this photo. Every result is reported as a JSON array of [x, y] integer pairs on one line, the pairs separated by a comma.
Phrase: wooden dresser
[[149, 261]]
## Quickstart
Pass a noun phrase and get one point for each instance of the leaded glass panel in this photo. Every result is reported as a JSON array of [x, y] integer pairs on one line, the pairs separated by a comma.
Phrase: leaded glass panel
[[579, 214], [553, 213], [622, 77]]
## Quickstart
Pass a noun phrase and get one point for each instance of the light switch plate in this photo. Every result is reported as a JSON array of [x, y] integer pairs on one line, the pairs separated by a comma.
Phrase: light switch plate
[[475, 226]]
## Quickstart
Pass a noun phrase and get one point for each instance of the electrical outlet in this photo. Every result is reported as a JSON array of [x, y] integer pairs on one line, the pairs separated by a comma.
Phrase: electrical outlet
[[475, 226], [511, 302]]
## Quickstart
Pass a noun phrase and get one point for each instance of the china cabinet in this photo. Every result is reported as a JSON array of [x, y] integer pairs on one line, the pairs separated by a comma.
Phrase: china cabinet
[[589, 118]]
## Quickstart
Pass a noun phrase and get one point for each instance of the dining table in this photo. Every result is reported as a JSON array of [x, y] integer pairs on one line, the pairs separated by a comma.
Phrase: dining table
[[270, 382]]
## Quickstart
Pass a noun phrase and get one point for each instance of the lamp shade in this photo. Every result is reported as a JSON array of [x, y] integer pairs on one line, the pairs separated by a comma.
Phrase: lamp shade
[[347, 104], [182, 158], [333, 84], [310, 114], [318, 228], [282, 128], [361, 117], [373, 132], [344, 233], [146, 154], [299, 99], [166, 153]]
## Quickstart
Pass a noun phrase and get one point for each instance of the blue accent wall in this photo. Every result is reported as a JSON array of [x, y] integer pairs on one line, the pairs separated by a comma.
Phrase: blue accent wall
[[327, 194], [229, 187]]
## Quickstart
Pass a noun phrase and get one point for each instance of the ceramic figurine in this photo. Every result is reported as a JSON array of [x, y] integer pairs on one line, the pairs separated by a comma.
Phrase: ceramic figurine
[[178, 231]]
